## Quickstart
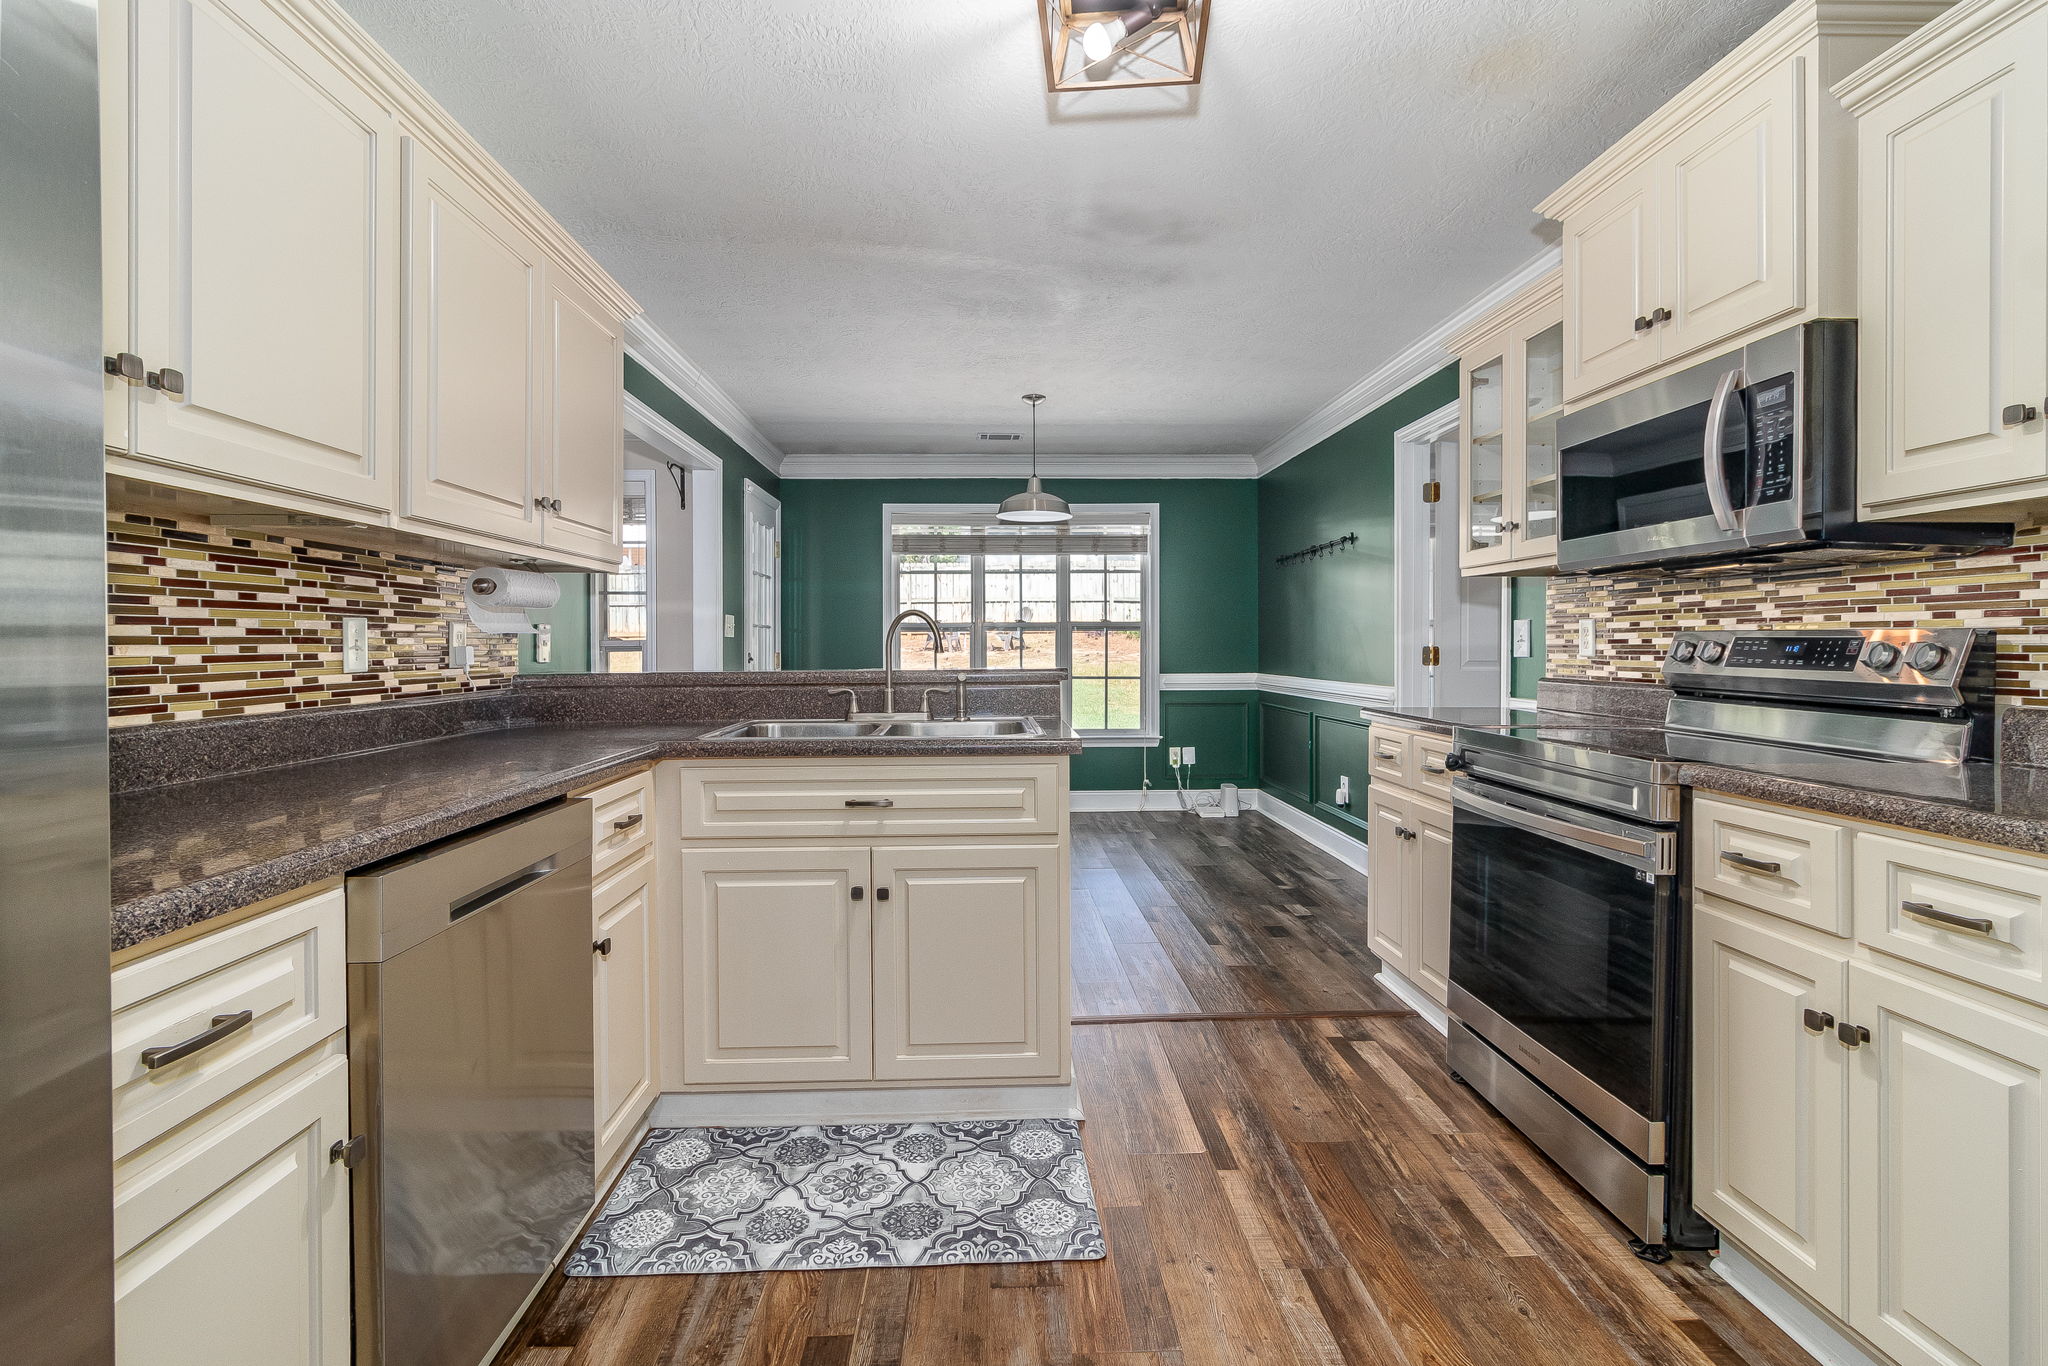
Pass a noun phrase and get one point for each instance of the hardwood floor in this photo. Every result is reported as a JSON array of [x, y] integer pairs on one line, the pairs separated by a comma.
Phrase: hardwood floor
[[1307, 1191]]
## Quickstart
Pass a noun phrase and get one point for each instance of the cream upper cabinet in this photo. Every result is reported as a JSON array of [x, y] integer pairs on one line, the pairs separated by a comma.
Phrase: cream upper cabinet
[[583, 420], [1953, 219], [1610, 270], [263, 265], [473, 330], [1948, 1177], [1510, 387], [968, 977], [1727, 214], [1770, 1083], [777, 977]]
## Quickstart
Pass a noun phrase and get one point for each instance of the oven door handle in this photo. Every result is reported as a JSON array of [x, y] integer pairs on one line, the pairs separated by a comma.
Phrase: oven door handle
[[1716, 470], [1651, 852]]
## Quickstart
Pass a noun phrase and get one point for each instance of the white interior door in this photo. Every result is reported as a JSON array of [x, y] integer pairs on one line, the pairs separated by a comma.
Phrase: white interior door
[[764, 580], [1436, 606]]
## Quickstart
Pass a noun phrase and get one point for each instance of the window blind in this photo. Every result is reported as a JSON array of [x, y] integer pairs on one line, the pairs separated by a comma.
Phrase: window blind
[[1018, 543]]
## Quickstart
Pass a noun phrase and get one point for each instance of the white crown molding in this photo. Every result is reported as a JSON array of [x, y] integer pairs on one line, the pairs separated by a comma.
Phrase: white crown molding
[[1328, 690], [650, 346], [1010, 465], [1942, 38], [1208, 682], [665, 439], [1421, 359]]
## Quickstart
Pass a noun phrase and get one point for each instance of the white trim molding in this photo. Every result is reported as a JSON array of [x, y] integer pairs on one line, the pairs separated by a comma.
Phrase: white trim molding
[[1328, 690], [1823, 1341], [651, 436], [1010, 465], [1328, 838], [1415, 998], [1422, 358], [665, 360], [910, 1104], [1208, 682]]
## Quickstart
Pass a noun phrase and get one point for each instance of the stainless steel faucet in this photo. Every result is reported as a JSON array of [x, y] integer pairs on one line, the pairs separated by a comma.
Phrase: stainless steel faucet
[[889, 651]]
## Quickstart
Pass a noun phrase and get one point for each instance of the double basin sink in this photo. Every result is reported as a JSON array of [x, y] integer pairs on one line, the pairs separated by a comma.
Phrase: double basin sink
[[979, 728]]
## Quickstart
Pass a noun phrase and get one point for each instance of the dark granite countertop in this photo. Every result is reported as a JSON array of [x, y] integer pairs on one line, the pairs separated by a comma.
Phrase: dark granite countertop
[[1444, 720], [1993, 803], [187, 852]]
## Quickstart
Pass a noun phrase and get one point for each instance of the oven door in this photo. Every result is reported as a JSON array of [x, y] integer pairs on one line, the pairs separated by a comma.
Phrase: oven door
[[1564, 952]]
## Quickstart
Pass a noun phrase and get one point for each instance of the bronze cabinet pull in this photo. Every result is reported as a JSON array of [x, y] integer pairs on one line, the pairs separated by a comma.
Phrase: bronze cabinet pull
[[1949, 920], [223, 1025]]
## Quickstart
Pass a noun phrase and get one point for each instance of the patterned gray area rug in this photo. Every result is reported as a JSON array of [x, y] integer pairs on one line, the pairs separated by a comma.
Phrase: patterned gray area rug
[[834, 1196]]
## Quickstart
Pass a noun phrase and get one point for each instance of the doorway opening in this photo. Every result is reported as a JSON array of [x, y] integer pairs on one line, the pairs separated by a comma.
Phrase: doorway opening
[[1450, 651]]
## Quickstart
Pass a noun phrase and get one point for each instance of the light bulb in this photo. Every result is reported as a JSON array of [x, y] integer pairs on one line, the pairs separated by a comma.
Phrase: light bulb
[[1098, 40]]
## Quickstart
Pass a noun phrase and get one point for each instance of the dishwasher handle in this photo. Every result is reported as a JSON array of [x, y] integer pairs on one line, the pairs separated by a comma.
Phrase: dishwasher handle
[[486, 897]]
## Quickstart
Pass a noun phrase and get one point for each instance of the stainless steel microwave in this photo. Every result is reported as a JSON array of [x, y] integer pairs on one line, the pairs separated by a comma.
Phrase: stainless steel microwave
[[1750, 456]]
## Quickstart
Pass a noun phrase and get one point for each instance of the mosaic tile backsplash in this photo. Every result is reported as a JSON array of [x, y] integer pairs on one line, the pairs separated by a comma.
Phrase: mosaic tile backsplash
[[1636, 615], [203, 623]]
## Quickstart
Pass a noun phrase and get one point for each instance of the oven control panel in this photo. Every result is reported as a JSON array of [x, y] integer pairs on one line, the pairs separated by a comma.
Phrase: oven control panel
[[1852, 663]]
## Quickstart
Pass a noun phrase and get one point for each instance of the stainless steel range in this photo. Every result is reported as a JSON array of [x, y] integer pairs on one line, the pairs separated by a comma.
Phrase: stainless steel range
[[1568, 902]]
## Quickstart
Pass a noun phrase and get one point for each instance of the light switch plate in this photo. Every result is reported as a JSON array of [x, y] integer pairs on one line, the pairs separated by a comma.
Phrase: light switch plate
[[1586, 639], [543, 644], [731, 629], [1523, 643], [355, 645]]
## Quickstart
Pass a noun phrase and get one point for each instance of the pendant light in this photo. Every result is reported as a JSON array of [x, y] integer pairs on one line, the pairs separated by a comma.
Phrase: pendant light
[[1034, 504]]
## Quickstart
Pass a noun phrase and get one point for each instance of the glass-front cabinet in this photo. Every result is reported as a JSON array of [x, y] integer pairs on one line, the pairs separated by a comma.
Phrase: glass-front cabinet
[[1511, 388]]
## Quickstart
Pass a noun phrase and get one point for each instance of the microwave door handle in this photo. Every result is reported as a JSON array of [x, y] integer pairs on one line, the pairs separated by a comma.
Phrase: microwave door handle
[[1716, 468]]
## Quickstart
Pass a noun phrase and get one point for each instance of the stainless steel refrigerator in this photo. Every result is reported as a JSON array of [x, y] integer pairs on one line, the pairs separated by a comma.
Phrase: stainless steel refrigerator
[[56, 1174]]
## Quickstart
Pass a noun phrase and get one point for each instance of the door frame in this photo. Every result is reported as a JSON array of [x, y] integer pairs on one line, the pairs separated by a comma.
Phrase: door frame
[[761, 504], [1412, 567], [653, 437]]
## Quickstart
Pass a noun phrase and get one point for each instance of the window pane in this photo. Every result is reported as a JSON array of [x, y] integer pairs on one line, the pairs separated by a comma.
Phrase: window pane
[[1090, 652], [1010, 647], [1002, 594], [623, 621], [956, 595], [1126, 711], [1126, 655], [1090, 704], [1041, 597], [624, 662]]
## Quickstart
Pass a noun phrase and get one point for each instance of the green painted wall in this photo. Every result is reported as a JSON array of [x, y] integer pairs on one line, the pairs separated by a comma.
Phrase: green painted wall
[[1528, 597], [1305, 747], [832, 563], [571, 619], [1333, 617], [740, 466]]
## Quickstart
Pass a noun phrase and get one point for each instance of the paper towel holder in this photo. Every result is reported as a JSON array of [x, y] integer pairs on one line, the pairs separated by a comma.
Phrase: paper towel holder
[[499, 600]]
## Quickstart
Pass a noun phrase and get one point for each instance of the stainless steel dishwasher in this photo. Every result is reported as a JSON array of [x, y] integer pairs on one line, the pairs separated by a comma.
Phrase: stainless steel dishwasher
[[471, 1072]]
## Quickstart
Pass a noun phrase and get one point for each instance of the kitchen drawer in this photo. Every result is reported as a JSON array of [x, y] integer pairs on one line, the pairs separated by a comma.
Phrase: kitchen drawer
[[621, 821], [1770, 860], [284, 968], [1976, 915], [1389, 758], [1427, 771], [809, 801]]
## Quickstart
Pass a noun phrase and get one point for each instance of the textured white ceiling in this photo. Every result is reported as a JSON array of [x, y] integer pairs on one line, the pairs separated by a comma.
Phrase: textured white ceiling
[[869, 222]]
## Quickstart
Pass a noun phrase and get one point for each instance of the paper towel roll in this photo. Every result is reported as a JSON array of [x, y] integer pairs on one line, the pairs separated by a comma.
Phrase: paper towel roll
[[499, 599]]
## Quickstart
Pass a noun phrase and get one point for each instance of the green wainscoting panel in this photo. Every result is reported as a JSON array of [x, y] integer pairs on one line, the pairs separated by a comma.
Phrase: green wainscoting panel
[[1286, 738], [740, 466], [1305, 745], [1222, 726], [1341, 748], [1528, 596]]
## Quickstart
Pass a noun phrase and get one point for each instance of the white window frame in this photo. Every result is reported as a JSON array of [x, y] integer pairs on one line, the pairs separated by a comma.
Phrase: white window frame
[[600, 616], [1150, 626]]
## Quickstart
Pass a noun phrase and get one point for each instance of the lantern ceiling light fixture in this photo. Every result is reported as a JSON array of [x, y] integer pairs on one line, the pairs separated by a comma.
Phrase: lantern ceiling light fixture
[[1092, 45], [1034, 504]]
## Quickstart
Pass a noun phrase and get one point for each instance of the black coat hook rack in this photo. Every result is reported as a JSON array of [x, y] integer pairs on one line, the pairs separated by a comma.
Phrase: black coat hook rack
[[1316, 552]]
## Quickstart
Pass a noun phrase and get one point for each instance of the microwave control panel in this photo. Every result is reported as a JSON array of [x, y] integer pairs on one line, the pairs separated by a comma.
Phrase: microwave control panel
[[1772, 416]]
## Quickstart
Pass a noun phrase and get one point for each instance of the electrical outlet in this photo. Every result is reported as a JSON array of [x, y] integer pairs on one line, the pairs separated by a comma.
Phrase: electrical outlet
[[731, 629], [1524, 646], [1187, 756], [355, 645], [543, 644], [1343, 790], [1586, 639], [1173, 756], [460, 655]]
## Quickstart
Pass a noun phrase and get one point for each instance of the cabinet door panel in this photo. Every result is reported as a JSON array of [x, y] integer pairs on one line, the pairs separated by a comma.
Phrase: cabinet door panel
[[233, 1249], [967, 961], [1769, 1097], [1953, 177], [778, 965], [265, 231], [624, 992], [473, 314], [1949, 1176], [1610, 280], [1429, 883], [1732, 215], [585, 429], [1387, 914]]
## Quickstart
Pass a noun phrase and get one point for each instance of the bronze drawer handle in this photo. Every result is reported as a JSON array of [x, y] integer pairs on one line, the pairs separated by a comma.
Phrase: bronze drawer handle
[[1949, 920], [628, 822], [1754, 865], [869, 801], [223, 1025]]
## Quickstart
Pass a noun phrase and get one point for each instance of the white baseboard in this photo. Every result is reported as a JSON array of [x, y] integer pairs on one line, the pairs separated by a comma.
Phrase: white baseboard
[[1163, 798], [694, 1109], [1327, 838], [1800, 1321], [1415, 998]]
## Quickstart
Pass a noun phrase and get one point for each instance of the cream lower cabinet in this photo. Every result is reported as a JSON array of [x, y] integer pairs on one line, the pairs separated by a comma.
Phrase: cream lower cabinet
[[231, 1212], [1408, 827], [1872, 1128], [623, 914], [861, 949]]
